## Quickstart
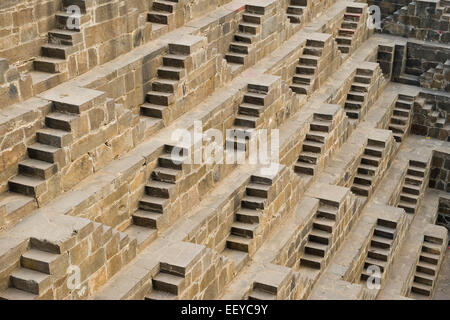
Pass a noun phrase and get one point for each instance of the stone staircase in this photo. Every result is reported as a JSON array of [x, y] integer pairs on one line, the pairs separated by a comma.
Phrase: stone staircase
[[348, 29], [162, 14], [320, 236], [357, 95], [65, 40], [166, 285], [249, 116], [427, 268], [296, 10], [33, 279], [248, 215], [307, 69], [163, 93], [46, 156], [159, 192], [400, 119], [380, 249], [413, 185], [367, 171], [312, 148], [247, 35], [263, 291]]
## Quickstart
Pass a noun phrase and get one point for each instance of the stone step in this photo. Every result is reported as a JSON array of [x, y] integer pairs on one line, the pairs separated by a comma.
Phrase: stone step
[[167, 282], [353, 114], [425, 267], [170, 161], [409, 198], [351, 17], [312, 146], [61, 121], [54, 137], [79, 3], [260, 99], [164, 85], [323, 224], [300, 88], [367, 169], [246, 121], [429, 257], [147, 219], [378, 253], [293, 9], [423, 278], [398, 120], [365, 274], [41, 261], [50, 65], [416, 171], [370, 160], [244, 37], [160, 17], [45, 152], [251, 28], [251, 202], [411, 180], [29, 186], [431, 248], [160, 189], [363, 179], [353, 104], [160, 98], [320, 236], [143, 235], [250, 109], [65, 37], [305, 69], [343, 40], [294, 18], [153, 110], [313, 51], [312, 261], [327, 211], [407, 206], [241, 229], [155, 204], [252, 18], [234, 57], [315, 248], [308, 157], [381, 242], [396, 128], [238, 243], [305, 168], [58, 51], [346, 32], [30, 281], [16, 294], [374, 151], [171, 73], [246, 215], [303, 79], [405, 105], [322, 126], [37, 168], [360, 189], [384, 232], [166, 174], [239, 47], [359, 87], [421, 288], [344, 48], [161, 5], [362, 79], [258, 190], [76, 20], [374, 262], [309, 60], [356, 96]]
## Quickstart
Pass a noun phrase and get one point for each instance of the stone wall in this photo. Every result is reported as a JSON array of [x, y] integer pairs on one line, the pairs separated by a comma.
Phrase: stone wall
[[440, 171]]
